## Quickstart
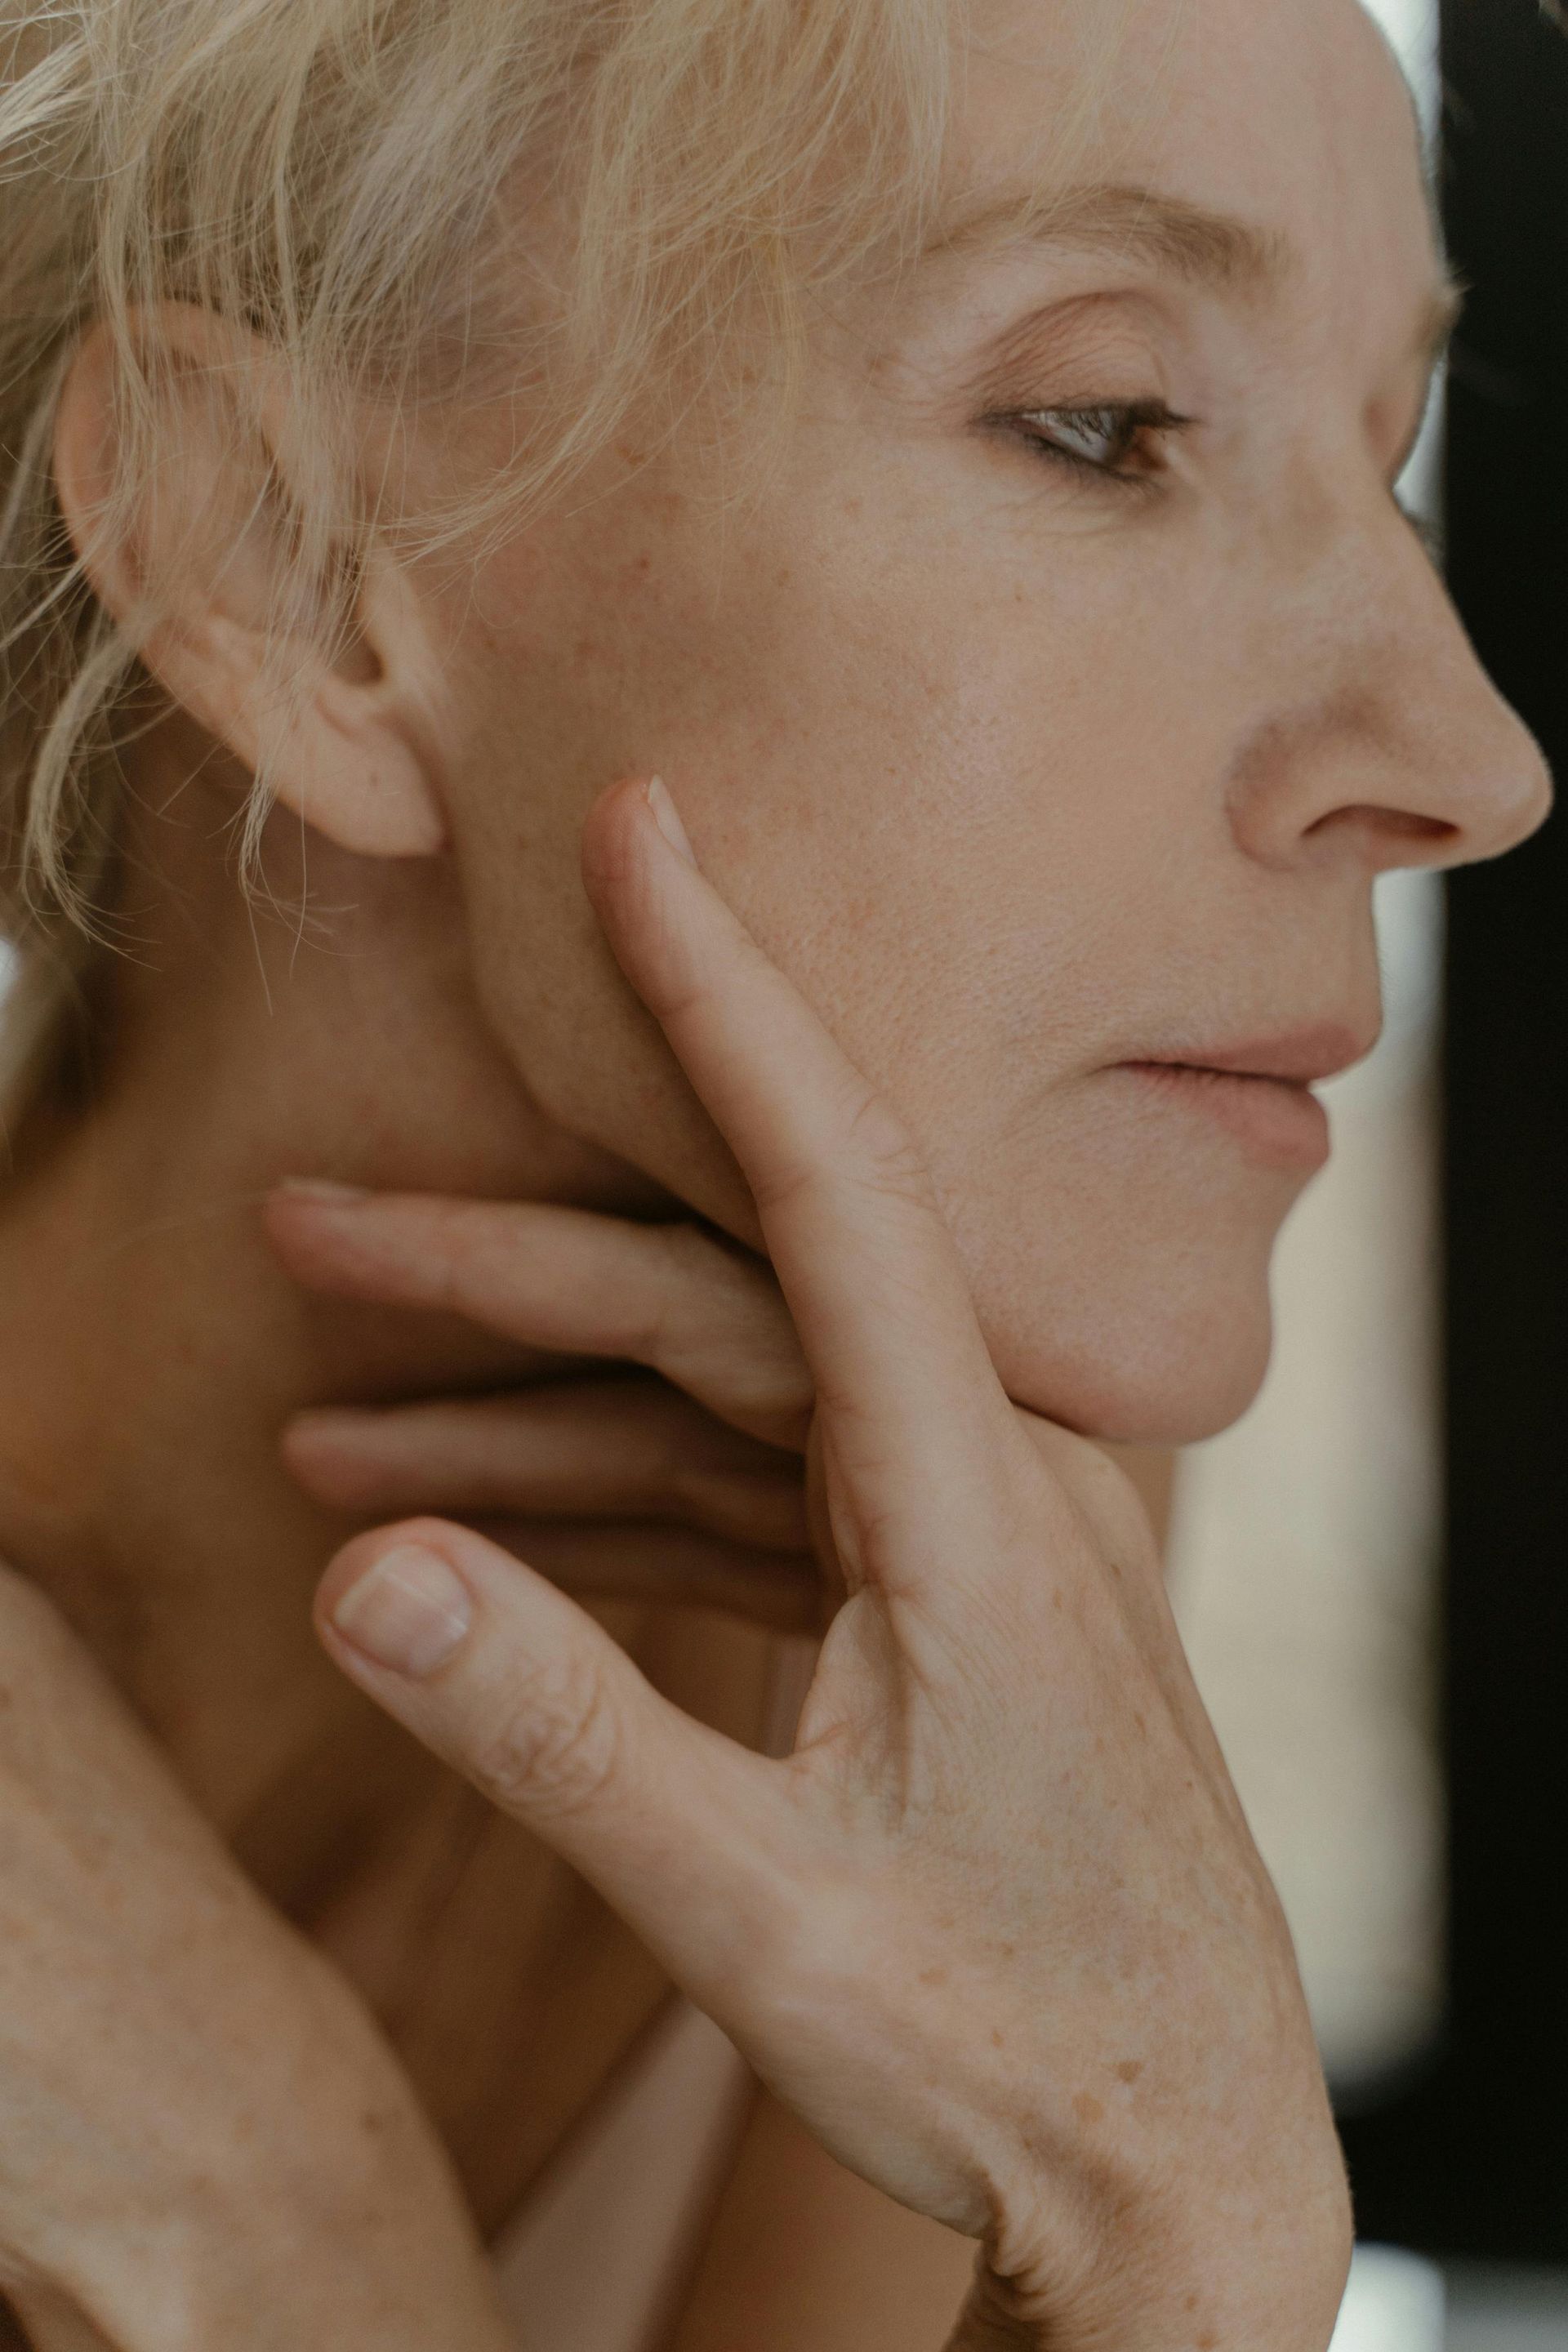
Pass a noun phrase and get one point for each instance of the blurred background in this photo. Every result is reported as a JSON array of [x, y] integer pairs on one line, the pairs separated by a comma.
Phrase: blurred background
[[1370, 1570]]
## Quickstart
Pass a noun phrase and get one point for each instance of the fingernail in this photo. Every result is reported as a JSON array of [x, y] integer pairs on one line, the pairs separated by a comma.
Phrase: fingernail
[[666, 816], [320, 1188], [410, 1612]]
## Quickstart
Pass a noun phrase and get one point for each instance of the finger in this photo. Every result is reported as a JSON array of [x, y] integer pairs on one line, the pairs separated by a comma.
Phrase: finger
[[600, 1449], [702, 1312], [689, 1836], [672, 1567], [1119, 1490], [868, 1267]]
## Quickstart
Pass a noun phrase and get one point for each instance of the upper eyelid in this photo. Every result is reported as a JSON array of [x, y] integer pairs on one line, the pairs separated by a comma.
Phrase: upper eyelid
[[1084, 333], [1032, 342], [1119, 477], [1172, 424], [1031, 346], [1151, 413]]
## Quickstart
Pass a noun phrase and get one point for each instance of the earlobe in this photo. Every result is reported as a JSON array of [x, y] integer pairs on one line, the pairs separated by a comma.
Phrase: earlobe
[[352, 757], [358, 780], [191, 561]]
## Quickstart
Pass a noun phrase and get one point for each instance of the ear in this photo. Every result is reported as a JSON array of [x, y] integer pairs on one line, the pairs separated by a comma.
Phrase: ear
[[192, 566]]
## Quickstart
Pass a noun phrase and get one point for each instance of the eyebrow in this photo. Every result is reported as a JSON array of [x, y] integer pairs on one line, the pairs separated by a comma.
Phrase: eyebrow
[[1212, 247], [1184, 240]]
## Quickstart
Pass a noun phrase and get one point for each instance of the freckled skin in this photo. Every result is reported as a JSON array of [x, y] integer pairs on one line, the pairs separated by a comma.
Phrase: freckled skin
[[1018, 774]]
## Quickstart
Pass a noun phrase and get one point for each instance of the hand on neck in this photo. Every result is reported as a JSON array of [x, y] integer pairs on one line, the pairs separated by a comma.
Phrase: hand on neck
[[153, 1346]]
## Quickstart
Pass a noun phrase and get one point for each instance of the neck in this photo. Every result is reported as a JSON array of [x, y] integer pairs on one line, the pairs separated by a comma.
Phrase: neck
[[151, 1348]]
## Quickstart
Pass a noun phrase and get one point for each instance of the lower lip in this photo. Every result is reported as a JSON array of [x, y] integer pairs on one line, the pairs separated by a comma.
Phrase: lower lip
[[1282, 1124]]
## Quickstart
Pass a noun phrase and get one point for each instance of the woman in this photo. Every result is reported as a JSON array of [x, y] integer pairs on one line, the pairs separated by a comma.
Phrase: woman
[[800, 622]]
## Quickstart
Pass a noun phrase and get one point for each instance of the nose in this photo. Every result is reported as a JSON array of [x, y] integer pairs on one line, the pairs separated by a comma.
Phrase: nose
[[1388, 745]]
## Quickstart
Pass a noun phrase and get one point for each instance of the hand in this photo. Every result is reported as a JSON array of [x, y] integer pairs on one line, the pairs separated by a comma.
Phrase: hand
[[688, 1488], [997, 1929], [204, 2141]]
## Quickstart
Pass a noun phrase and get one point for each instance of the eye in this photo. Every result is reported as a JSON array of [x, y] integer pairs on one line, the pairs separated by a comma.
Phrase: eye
[[1117, 440]]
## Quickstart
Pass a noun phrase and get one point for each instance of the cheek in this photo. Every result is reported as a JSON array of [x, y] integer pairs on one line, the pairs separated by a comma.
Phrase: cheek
[[975, 827], [974, 834]]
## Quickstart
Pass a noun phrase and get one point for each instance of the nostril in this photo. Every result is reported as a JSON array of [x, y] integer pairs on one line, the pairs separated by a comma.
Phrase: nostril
[[1396, 823]]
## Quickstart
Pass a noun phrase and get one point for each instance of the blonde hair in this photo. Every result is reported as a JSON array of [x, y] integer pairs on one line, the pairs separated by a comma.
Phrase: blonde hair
[[353, 181]]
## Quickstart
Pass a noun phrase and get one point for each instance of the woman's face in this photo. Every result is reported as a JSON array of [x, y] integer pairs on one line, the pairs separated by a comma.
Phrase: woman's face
[[1038, 748]]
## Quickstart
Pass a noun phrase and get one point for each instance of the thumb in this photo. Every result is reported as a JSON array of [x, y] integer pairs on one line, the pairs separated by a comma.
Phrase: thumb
[[680, 1829]]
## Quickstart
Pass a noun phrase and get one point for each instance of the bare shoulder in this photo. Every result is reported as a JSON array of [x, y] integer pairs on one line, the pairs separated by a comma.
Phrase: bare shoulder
[[803, 2252]]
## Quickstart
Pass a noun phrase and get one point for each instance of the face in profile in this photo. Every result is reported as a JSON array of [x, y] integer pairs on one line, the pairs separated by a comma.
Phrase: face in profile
[[1051, 709]]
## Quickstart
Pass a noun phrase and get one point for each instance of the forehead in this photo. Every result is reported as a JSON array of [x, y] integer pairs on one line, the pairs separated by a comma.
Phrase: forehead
[[1289, 116]]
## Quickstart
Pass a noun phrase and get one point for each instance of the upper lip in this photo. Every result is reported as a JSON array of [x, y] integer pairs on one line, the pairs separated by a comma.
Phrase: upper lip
[[1299, 1058]]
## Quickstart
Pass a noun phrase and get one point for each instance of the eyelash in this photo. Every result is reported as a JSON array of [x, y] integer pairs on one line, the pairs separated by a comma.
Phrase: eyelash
[[1130, 425], [1130, 421]]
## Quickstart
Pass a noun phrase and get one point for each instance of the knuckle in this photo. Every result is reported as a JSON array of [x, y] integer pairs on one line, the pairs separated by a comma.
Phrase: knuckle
[[716, 1326], [465, 1254], [675, 1260], [685, 1251], [782, 1187], [885, 1153], [557, 1745], [867, 1149]]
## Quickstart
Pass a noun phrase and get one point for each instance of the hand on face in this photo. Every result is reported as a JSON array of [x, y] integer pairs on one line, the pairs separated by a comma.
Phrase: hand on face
[[1052, 754], [996, 1928], [202, 2137]]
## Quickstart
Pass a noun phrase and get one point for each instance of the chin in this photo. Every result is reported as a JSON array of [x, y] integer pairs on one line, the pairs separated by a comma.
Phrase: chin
[[1130, 1355], [1121, 1271]]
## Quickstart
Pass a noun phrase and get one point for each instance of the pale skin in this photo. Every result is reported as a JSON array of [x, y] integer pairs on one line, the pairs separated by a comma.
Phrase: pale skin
[[976, 1991], [1005, 779]]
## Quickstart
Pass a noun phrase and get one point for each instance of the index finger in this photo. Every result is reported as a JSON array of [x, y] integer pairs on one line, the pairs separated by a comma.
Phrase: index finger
[[866, 1262]]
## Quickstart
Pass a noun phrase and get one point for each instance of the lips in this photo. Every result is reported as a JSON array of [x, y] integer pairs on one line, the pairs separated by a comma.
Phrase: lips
[[1259, 1092], [1299, 1058]]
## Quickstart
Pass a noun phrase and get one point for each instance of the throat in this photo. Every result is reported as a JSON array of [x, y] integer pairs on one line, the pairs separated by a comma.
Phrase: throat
[[151, 1351], [149, 1356]]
